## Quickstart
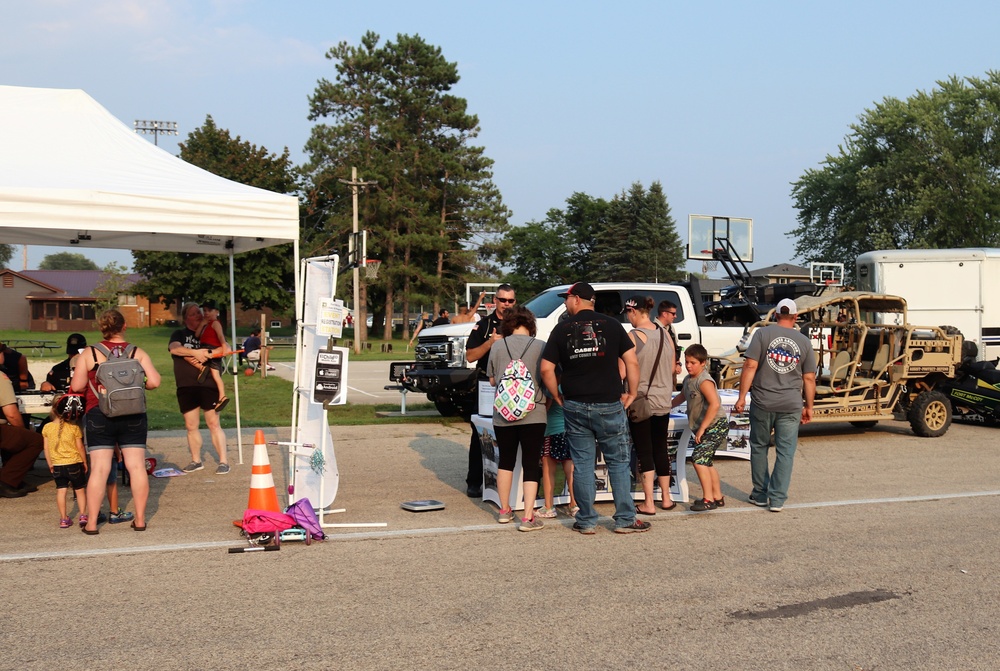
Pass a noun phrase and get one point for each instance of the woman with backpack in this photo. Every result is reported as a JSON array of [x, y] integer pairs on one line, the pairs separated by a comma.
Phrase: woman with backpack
[[107, 424], [514, 422]]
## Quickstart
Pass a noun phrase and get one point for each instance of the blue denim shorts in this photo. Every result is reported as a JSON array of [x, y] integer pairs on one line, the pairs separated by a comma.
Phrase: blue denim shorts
[[103, 432]]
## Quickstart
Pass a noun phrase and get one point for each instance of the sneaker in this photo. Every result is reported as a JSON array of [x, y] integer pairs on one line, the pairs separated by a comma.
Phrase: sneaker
[[586, 531], [193, 466], [704, 504], [762, 504], [775, 509], [270, 367], [530, 525], [223, 469], [120, 516], [65, 523], [505, 516], [547, 513], [636, 527]]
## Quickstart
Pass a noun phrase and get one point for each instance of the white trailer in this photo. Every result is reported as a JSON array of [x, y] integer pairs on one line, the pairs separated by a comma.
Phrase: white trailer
[[942, 287]]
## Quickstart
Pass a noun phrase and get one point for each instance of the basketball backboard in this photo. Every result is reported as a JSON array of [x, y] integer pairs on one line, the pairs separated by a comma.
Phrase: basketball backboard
[[704, 229]]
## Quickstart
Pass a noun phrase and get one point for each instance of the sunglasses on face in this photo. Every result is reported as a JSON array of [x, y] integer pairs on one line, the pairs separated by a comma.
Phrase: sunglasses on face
[[506, 300]]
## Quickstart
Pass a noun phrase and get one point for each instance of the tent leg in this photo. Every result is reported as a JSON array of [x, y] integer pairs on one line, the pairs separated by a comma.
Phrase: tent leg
[[235, 358]]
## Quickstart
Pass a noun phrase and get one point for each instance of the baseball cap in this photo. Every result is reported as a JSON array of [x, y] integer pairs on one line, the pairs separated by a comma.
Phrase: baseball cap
[[581, 289], [786, 306], [208, 305], [74, 343]]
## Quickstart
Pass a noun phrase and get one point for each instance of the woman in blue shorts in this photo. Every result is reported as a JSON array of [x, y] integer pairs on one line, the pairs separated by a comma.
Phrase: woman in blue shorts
[[104, 433]]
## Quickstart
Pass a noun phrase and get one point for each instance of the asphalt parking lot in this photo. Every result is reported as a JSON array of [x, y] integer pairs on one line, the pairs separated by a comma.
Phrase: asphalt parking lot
[[884, 558]]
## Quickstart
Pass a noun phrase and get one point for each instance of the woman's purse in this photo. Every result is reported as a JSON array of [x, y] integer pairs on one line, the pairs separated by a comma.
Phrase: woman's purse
[[641, 410]]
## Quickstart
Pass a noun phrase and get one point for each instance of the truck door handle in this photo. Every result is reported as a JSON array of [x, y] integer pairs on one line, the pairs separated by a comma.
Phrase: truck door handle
[[683, 336]]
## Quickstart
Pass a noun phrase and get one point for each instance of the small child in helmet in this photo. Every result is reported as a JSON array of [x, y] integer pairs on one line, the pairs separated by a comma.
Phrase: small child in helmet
[[65, 454]]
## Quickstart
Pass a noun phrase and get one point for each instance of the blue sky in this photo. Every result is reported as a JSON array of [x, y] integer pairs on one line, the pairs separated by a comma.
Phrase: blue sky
[[725, 103]]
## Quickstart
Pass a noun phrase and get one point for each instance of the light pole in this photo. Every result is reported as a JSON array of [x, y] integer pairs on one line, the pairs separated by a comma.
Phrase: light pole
[[155, 128], [359, 326]]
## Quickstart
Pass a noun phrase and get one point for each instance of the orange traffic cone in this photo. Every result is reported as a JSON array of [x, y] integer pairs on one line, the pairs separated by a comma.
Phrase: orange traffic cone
[[263, 495]]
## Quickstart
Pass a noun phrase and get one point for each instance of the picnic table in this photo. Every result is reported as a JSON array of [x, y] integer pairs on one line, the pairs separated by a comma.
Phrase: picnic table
[[37, 346]]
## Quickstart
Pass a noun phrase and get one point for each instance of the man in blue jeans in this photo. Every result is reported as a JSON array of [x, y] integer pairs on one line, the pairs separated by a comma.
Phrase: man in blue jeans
[[779, 368], [588, 347]]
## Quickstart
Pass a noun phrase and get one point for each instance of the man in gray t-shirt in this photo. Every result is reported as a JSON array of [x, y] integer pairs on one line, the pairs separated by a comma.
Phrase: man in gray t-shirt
[[779, 369]]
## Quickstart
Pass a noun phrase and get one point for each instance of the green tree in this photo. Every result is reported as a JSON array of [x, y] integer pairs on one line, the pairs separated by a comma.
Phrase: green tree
[[67, 261], [435, 214], [557, 250], [263, 277], [917, 173], [639, 240], [6, 254], [114, 282]]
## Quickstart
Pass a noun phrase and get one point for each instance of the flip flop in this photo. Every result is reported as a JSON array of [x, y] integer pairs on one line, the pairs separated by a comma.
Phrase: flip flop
[[89, 532], [642, 512], [137, 528], [670, 507], [221, 403]]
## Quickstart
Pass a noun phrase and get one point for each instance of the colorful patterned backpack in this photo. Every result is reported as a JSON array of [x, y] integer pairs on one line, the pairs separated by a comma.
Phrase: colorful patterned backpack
[[515, 389]]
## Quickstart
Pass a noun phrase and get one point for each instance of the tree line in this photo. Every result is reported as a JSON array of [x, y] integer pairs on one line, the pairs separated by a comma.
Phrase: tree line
[[920, 172]]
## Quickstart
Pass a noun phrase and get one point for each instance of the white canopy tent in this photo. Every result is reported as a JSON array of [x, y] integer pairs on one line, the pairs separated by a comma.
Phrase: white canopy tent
[[73, 174]]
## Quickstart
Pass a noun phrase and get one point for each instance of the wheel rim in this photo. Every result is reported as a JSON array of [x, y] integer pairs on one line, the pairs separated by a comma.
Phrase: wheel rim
[[936, 415]]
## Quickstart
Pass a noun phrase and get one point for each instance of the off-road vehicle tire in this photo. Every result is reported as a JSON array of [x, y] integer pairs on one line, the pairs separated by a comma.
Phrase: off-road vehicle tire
[[867, 424], [930, 414]]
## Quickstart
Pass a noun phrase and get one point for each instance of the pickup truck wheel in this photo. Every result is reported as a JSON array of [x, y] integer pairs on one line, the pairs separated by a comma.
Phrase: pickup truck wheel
[[446, 407], [930, 414], [867, 424]]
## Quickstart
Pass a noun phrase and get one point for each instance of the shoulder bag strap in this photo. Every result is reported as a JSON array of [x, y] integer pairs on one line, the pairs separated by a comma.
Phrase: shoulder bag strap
[[656, 364]]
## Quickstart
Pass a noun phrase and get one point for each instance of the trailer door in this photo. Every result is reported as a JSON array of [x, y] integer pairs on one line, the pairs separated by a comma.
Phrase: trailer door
[[939, 293]]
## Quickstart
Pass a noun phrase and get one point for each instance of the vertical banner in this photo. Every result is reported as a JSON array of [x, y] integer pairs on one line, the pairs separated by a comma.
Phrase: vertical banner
[[312, 430]]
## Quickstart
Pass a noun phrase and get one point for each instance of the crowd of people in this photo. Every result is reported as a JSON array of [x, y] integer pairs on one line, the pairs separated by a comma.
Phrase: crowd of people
[[604, 391], [600, 390], [84, 441]]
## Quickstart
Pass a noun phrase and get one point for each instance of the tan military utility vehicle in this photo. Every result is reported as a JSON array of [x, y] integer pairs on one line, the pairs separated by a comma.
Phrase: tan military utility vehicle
[[870, 370]]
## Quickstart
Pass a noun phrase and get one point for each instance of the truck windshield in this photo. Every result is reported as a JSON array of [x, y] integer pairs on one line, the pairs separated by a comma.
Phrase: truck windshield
[[545, 303]]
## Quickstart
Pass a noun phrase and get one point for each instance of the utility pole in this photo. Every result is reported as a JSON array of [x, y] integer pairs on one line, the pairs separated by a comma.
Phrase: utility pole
[[360, 323]]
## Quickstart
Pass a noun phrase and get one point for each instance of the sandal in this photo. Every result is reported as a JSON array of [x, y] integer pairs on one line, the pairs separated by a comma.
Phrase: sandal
[[643, 512], [89, 532], [65, 523], [221, 403], [573, 511], [672, 505], [546, 513]]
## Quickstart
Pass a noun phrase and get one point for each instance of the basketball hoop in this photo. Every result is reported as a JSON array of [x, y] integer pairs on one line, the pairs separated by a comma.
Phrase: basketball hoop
[[371, 268], [709, 266]]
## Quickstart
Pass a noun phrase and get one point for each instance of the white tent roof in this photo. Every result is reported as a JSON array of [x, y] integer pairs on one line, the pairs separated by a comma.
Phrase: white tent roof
[[69, 170]]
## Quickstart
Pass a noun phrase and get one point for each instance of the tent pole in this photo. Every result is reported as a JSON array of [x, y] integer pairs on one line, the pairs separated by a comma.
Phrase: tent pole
[[234, 364]]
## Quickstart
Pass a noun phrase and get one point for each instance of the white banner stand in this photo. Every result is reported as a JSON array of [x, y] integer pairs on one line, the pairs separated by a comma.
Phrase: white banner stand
[[321, 377]]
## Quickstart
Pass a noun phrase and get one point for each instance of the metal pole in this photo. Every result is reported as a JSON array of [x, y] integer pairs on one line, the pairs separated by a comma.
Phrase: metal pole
[[356, 273]]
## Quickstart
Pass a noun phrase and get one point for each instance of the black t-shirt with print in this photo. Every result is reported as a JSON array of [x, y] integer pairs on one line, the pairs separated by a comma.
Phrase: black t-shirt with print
[[588, 346]]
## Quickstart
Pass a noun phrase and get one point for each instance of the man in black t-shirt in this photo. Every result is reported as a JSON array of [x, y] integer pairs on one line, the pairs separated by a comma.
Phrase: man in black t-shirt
[[443, 318], [588, 346], [194, 396], [59, 375], [477, 350]]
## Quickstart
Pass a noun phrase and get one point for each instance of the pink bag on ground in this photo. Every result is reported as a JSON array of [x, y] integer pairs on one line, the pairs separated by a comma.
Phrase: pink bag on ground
[[265, 521]]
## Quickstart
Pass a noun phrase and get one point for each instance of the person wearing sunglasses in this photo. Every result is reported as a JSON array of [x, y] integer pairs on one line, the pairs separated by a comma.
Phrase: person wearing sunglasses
[[477, 350]]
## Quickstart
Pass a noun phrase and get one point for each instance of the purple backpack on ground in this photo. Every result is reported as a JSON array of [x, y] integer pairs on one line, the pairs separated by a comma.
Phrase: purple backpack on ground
[[302, 512]]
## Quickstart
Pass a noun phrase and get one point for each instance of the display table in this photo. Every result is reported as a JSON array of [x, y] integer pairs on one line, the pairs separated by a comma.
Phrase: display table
[[738, 445]]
